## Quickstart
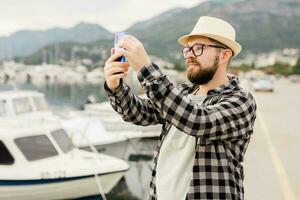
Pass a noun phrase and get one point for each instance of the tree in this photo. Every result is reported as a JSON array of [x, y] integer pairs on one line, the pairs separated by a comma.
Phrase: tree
[[281, 68], [296, 69]]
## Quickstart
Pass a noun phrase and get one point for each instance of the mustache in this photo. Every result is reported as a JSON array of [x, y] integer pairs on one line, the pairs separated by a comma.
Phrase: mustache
[[192, 61]]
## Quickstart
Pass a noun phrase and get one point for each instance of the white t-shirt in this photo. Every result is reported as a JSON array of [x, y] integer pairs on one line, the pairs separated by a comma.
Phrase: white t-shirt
[[175, 162]]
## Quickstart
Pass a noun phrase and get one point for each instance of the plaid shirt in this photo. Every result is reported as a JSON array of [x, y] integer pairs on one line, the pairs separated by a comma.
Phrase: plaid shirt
[[222, 126]]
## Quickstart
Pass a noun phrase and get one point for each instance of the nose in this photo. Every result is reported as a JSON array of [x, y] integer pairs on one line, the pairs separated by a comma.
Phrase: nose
[[190, 54]]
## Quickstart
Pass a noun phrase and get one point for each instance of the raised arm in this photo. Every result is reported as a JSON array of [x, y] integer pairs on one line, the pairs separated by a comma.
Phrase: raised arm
[[133, 108], [232, 117]]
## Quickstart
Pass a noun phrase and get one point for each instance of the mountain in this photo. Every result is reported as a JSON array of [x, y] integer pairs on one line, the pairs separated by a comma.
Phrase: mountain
[[97, 52], [262, 26], [23, 43]]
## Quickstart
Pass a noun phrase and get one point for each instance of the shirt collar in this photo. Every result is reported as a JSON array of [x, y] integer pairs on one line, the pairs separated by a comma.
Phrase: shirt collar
[[233, 83]]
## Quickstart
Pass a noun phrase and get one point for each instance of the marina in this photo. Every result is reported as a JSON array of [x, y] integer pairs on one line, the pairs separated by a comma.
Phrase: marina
[[91, 126]]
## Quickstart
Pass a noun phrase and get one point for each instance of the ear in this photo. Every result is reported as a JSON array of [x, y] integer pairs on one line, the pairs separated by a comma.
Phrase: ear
[[225, 56]]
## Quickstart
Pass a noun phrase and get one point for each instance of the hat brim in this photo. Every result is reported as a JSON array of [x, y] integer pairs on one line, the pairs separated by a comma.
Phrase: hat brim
[[234, 46]]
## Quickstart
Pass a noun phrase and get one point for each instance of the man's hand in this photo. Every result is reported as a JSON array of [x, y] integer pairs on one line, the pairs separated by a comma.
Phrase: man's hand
[[134, 52], [115, 71]]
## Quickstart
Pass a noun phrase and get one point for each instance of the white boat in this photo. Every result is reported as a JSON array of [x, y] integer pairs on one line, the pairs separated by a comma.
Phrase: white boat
[[39, 75], [99, 125], [109, 118], [101, 128], [26, 104], [71, 77], [39, 161], [95, 77], [84, 130], [87, 132]]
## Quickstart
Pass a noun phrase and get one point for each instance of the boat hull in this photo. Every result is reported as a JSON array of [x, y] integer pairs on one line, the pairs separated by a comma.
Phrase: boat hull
[[62, 188]]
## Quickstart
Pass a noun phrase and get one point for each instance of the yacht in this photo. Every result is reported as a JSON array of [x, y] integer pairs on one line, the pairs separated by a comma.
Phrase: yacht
[[84, 130], [27, 104], [39, 161]]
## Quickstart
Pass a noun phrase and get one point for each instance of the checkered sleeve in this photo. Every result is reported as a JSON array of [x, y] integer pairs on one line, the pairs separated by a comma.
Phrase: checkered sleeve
[[133, 108], [230, 118]]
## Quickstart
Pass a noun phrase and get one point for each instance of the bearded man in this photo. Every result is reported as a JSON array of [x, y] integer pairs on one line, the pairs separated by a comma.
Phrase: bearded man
[[207, 124]]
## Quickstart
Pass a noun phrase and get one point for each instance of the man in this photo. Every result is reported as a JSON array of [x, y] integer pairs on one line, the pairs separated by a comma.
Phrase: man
[[206, 125]]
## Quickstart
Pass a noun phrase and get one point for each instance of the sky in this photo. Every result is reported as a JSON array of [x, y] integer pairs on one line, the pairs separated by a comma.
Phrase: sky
[[114, 15]]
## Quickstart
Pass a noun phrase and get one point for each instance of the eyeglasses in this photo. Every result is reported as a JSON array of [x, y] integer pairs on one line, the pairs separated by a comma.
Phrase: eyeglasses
[[197, 49]]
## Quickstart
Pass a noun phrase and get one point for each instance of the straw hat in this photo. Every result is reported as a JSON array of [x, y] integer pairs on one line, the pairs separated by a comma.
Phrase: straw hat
[[216, 29]]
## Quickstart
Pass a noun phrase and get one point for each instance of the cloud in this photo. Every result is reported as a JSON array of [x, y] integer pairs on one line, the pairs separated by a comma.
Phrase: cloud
[[114, 15]]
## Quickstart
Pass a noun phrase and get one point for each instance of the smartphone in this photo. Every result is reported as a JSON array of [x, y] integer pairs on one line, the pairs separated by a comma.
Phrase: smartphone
[[118, 36]]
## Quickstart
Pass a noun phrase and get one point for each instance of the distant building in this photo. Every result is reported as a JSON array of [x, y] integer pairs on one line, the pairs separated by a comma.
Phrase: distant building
[[285, 56]]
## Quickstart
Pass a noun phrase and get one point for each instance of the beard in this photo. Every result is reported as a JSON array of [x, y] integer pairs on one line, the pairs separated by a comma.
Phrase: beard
[[200, 75]]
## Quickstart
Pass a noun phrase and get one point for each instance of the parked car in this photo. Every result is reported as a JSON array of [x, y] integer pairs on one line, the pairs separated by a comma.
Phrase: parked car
[[263, 84], [295, 78]]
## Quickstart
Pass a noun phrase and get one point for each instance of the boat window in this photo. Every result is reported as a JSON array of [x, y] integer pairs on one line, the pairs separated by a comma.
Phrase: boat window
[[2, 108], [63, 140], [36, 147], [40, 103], [22, 105], [5, 158]]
